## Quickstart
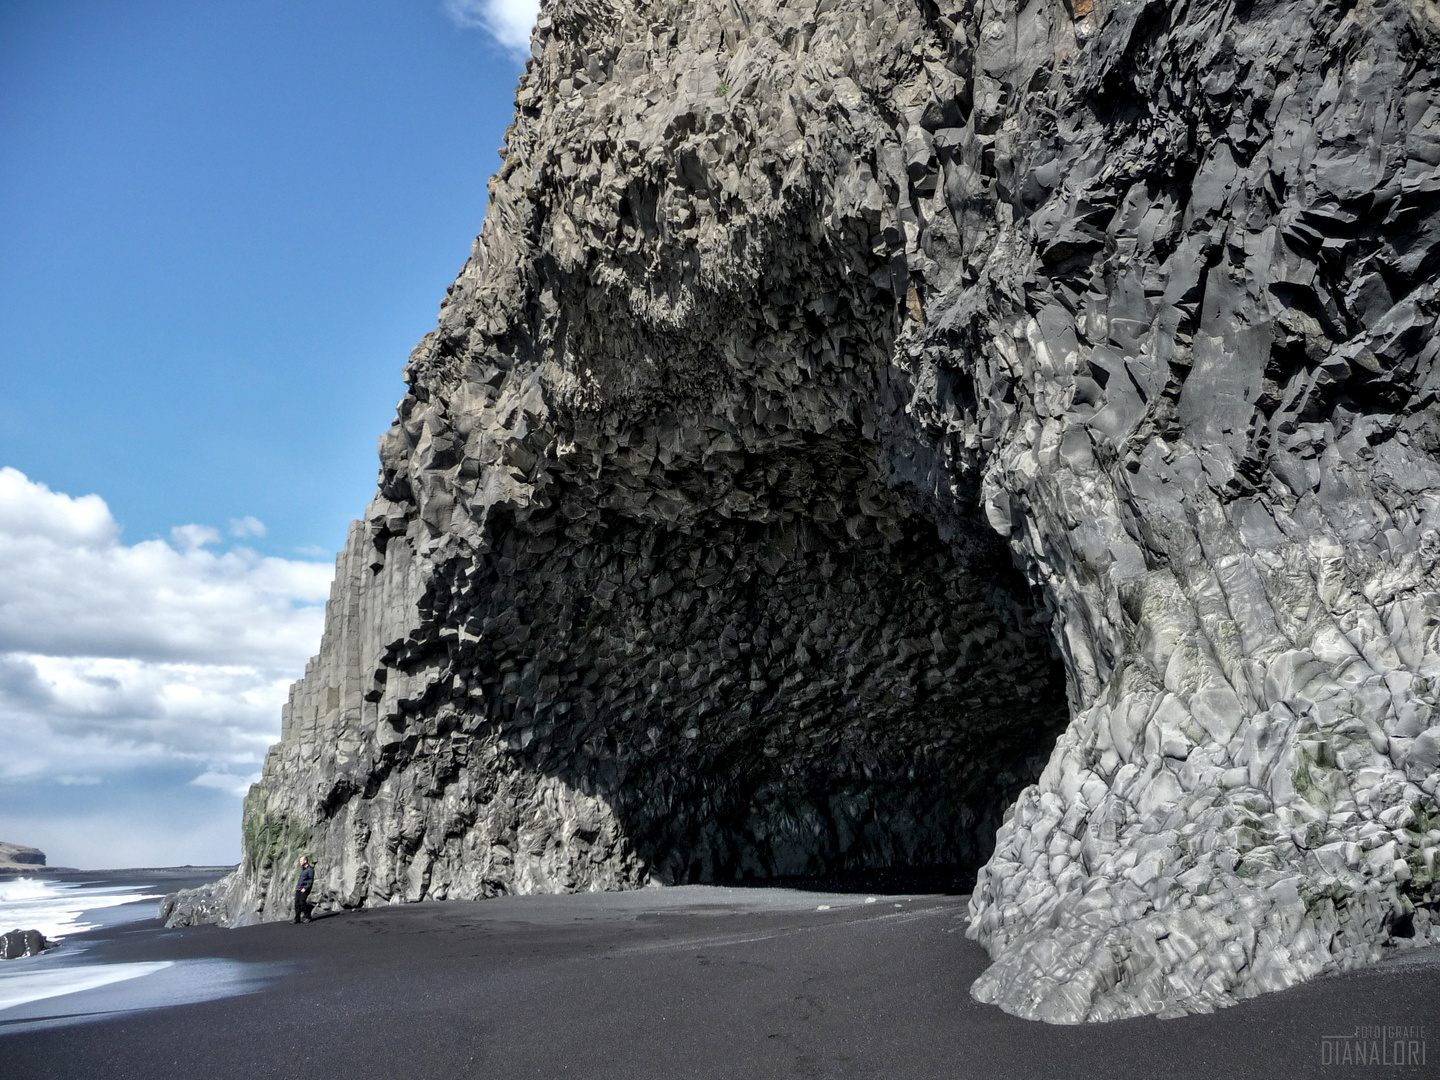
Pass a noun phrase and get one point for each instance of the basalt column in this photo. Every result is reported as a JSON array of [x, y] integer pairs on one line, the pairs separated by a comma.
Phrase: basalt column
[[658, 585], [849, 407]]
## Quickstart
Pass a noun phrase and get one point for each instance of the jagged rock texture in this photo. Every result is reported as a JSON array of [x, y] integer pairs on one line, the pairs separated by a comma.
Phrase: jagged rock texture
[[787, 320]]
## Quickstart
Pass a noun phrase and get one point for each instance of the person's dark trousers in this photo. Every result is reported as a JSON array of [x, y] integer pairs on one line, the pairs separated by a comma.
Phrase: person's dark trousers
[[302, 906]]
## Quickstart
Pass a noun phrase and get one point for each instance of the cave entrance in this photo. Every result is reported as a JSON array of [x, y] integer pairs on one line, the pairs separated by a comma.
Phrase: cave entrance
[[829, 693]]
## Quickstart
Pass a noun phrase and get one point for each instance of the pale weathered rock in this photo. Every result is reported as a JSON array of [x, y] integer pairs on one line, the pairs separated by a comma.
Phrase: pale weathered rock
[[20, 857], [200, 906], [686, 561]]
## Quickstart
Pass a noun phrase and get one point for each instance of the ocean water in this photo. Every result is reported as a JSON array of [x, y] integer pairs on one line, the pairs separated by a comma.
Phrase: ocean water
[[72, 983], [61, 908]]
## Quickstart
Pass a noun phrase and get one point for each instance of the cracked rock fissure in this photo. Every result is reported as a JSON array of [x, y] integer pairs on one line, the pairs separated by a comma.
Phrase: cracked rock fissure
[[794, 329]]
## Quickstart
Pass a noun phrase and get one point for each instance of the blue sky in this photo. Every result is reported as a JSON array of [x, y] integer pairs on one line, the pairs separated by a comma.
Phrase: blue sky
[[223, 226]]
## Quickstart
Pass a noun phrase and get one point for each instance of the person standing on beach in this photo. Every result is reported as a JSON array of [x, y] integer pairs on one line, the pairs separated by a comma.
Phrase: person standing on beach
[[302, 890]]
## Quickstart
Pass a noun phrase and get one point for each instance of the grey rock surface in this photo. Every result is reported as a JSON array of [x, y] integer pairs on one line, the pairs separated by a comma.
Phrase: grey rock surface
[[792, 329], [203, 905], [20, 857], [18, 943]]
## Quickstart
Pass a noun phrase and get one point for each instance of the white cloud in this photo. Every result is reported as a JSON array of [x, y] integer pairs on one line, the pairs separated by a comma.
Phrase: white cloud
[[80, 592], [247, 526], [28, 509], [190, 537], [508, 21], [224, 781], [100, 715], [116, 659]]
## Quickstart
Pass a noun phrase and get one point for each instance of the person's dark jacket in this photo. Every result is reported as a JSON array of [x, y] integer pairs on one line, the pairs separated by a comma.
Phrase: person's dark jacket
[[307, 879]]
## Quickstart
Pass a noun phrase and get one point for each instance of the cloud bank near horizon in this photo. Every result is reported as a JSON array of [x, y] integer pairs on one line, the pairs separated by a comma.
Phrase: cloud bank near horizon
[[508, 21], [120, 661]]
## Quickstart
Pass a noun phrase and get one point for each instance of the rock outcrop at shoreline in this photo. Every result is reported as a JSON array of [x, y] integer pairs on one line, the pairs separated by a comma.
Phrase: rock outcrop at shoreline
[[791, 331], [20, 857], [17, 944]]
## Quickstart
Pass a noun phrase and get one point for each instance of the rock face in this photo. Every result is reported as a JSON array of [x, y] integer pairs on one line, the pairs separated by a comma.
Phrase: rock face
[[793, 329], [19, 943], [19, 857], [202, 906]]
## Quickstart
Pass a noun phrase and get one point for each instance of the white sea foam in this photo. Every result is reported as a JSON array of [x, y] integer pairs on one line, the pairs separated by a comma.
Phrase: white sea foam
[[26, 986], [34, 999], [60, 908], [65, 987]]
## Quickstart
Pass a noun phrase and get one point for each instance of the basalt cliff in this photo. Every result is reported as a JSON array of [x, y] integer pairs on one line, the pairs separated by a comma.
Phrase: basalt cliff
[[985, 436]]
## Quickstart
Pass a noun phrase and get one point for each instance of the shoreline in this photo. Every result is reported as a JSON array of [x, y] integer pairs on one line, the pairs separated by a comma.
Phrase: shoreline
[[9, 873], [690, 981]]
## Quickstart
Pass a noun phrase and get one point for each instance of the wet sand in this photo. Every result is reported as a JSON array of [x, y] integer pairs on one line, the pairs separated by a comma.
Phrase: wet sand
[[688, 982]]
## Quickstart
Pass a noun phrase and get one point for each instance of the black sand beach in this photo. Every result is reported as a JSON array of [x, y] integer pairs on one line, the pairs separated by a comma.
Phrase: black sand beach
[[686, 982]]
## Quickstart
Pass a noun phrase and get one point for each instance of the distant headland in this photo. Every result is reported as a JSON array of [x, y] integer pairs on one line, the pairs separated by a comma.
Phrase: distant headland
[[20, 857]]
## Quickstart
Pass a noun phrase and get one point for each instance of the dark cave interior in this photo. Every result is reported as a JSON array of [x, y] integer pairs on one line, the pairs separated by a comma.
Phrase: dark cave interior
[[835, 694]]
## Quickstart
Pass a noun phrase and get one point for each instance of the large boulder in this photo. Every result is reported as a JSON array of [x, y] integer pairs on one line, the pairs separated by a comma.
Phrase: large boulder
[[18, 943]]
